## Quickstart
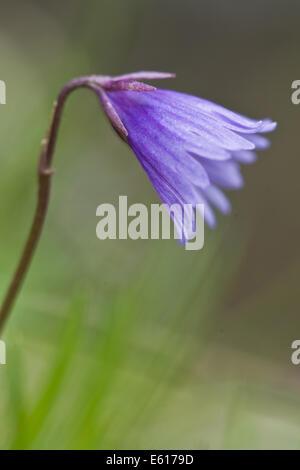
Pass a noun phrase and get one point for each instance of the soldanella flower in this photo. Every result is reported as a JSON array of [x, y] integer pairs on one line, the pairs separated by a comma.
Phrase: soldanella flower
[[190, 148]]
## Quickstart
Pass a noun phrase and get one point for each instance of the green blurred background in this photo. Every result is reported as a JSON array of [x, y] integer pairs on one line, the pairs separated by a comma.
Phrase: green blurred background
[[141, 344]]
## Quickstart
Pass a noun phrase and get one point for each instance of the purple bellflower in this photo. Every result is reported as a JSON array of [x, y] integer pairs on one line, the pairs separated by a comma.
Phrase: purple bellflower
[[189, 147]]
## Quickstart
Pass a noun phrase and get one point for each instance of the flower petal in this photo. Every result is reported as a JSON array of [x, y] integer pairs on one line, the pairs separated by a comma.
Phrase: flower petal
[[188, 146], [245, 156], [218, 198], [226, 174], [147, 135], [260, 142], [229, 118]]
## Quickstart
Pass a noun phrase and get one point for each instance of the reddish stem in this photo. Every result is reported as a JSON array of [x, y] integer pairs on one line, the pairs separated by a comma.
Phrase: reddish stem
[[44, 182]]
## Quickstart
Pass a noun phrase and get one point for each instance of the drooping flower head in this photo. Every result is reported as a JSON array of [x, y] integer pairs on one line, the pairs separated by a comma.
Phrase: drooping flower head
[[190, 148]]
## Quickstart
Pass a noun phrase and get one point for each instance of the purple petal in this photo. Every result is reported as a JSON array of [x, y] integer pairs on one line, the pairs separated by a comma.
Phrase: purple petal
[[260, 142], [225, 174], [181, 123], [209, 215], [170, 194], [218, 198], [245, 156], [147, 135], [213, 112]]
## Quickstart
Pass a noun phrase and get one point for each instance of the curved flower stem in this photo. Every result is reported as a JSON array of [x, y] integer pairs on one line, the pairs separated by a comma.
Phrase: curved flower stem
[[44, 183]]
